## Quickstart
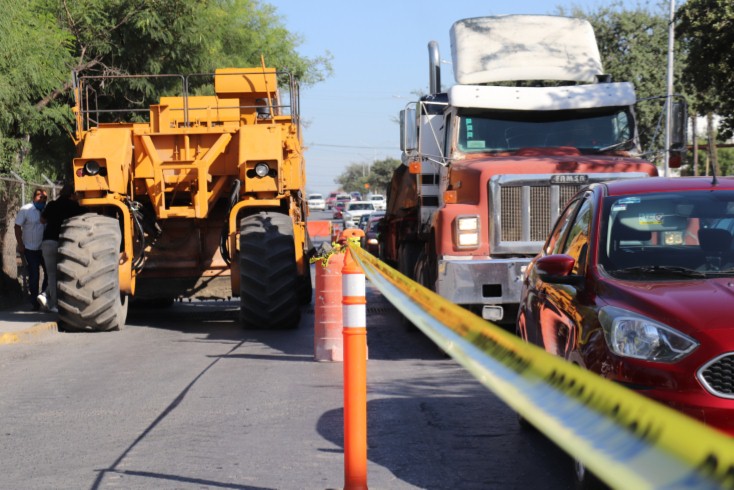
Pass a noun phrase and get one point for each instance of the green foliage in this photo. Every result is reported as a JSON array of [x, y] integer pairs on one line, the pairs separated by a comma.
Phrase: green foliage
[[725, 157], [377, 175], [34, 63], [706, 28], [633, 45], [42, 41]]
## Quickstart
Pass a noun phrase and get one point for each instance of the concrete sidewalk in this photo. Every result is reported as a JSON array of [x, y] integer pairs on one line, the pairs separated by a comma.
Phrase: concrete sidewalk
[[20, 324]]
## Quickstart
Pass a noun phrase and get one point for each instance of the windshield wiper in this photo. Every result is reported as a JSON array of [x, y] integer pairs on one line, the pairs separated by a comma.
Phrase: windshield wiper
[[614, 146], [724, 273], [661, 269]]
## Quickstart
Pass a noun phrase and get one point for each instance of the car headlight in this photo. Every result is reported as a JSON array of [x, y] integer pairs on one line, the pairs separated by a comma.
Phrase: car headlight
[[633, 335], [467, 231]]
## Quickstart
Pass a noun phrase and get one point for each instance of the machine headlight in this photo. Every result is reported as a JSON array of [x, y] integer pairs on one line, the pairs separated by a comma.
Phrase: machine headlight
[[467, 231], [262, 169], [91, 167], [633, 335]]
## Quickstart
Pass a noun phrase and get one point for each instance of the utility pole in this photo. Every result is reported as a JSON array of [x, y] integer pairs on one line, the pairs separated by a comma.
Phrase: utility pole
[[669, 98]]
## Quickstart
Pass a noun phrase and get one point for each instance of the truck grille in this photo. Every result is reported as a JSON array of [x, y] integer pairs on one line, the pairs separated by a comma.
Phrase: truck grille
[[543, 210], [718, 376], [523, 208]]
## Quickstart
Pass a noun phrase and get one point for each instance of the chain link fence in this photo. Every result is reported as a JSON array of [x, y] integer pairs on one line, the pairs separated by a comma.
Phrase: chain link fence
[[14, 193]]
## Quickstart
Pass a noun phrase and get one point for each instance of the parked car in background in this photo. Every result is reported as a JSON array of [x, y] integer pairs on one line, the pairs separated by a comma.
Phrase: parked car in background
[[354, 211], [331, 200], [635, 283], [343, 197], [371, 238], [363, 221], [379, 201], [339, 209], [316, 202]]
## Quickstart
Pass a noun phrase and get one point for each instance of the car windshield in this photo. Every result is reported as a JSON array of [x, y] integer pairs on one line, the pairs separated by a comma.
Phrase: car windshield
[[668, 236], [361, 207], [590, 131]]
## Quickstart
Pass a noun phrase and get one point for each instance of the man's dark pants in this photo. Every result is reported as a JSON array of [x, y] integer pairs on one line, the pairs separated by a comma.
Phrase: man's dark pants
[[34, 259]]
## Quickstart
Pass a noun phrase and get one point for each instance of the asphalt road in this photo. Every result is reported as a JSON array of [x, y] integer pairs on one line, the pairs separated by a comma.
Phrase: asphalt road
[[184, 398]]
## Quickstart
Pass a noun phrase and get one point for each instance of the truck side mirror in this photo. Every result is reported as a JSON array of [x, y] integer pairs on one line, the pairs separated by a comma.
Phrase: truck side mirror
[[408, 130], [678, 133]]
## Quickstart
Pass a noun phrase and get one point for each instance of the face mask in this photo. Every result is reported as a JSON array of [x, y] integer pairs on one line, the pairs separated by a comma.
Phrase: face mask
[[39, 205]]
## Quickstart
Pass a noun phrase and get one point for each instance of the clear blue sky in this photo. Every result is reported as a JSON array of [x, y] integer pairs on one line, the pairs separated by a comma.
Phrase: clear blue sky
[[380, 59]]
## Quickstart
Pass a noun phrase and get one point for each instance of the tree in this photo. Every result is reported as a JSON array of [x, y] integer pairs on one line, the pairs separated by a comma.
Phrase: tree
[[44, 40], [633, 45], [34, 63], [706, 28], [381, 174], [377, 176]]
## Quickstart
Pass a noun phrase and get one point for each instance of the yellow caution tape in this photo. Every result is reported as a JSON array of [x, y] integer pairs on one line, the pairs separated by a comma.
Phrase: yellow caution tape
[[627, 440]]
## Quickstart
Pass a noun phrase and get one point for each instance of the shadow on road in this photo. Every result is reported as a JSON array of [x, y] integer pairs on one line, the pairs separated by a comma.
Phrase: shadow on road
[[439, 442]]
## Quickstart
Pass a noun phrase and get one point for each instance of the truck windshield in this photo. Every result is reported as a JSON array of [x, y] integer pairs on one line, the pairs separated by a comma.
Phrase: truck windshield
[[588, 130]]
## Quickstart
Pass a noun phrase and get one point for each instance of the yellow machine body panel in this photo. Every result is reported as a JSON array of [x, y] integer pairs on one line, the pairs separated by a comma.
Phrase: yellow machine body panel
[[176, 175]]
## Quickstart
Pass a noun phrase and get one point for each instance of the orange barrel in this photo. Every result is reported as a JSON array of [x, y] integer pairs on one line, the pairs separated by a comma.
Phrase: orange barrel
[[328, 341]]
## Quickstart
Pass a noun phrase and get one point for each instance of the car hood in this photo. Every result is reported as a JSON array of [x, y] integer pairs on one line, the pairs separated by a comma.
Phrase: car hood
[[689, 306]]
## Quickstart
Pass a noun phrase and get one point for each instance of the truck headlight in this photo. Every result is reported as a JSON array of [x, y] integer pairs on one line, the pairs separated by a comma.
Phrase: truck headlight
[[633, 335], [467, 231]]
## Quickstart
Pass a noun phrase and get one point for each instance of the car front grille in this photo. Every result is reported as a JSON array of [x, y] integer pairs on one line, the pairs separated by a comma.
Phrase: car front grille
[[717, 376]]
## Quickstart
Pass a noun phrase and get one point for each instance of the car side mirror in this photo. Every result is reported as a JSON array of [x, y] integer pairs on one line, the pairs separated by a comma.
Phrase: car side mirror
[[557, 269]]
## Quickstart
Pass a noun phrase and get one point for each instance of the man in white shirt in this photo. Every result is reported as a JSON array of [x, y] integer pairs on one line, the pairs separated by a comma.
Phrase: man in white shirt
[[29, 235]]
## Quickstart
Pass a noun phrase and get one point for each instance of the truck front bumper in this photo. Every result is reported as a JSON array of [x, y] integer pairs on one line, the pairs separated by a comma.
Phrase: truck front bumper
[[486, 282]]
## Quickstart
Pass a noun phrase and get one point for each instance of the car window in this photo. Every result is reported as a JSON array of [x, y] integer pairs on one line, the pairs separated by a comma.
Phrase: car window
[[554, 243], [659, 232], [576, 243], [361, 207]]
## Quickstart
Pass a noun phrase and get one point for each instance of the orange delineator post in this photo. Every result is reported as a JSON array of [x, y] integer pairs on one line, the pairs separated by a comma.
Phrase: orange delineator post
[[328, 340], [355, 369]]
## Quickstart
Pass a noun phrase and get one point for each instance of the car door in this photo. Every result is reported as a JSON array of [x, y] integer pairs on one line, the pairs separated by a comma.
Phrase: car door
[[534, 290], [561, 309]]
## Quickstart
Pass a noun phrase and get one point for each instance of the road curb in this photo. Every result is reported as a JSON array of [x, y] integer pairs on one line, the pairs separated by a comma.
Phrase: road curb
[[32, 333]]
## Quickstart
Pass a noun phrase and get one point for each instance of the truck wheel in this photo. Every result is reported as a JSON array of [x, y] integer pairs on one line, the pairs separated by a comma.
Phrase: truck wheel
[[407, 257], [269, 282], [89, 296]]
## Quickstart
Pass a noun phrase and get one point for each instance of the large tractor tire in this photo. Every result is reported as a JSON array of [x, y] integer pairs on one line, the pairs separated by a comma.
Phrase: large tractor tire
[[89, 296], [270, 293]]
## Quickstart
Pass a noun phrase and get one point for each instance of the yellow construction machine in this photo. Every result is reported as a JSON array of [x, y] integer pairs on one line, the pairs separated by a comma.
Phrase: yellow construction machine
[[196, 196]]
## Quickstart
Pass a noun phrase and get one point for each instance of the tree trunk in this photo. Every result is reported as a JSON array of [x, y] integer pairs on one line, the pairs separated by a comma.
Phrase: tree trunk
[[713, 155], [10, 276]]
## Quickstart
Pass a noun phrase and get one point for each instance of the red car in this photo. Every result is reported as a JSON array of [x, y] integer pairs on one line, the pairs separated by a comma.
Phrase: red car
[[636, 283], [338, 209], [371, 238]]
